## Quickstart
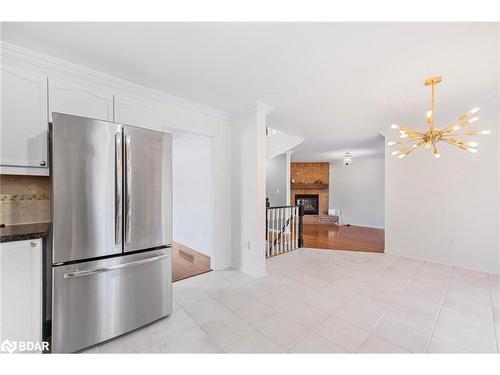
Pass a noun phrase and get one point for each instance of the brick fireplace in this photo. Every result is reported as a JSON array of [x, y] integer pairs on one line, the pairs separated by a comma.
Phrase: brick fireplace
[[312, 179]]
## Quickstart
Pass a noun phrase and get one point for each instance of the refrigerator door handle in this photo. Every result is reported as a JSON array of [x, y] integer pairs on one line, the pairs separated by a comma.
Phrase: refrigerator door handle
[[118, 187], [70, 275], [128, 188]]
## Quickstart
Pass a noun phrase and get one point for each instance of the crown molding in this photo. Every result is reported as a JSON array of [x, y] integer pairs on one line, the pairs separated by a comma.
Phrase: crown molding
[[250, 108], [43, 61]]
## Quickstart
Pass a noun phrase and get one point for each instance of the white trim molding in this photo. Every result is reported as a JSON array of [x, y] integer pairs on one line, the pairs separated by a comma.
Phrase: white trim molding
[[250, 108], [43, 61]]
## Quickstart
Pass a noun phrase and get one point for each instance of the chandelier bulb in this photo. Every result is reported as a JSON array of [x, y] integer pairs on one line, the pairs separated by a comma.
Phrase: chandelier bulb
[[485, 132], [395, 152], [473, 150], [427, 145], [391, 143], [473, 110], [429, 114], [473, 144], [401, 156], [437, 155], [474, 119], [403, 135], [394, 126]]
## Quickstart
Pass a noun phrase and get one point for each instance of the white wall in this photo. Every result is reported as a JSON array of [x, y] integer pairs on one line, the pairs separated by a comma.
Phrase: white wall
[[277, 180], [193, 192], [358, 190], [248, 194], [446, 210]]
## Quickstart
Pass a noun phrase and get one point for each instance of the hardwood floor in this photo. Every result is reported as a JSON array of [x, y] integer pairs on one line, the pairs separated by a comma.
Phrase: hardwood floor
[[187, 262], [325, 236]]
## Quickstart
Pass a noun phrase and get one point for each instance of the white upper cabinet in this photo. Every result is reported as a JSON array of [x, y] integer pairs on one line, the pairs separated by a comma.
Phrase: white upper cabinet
[[137, 112], [24, 120], [80, 99]]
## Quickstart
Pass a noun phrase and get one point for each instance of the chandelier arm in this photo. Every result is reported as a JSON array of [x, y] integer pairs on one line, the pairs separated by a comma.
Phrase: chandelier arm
[[451, 139], [461, 134], [407, 139], [407, 150], [462, 121], [434, 149], [454, 142], [414, 133], [411, 149], [404, 142], [448, 128], [410, 132]]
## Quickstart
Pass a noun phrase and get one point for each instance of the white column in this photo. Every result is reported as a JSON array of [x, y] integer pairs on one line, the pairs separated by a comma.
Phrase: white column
[[248, 197]]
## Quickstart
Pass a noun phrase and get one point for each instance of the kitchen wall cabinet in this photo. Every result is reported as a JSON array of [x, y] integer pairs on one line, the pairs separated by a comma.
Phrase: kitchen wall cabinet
[[24, 121], [136, 112], [21, 291], [80, 99]]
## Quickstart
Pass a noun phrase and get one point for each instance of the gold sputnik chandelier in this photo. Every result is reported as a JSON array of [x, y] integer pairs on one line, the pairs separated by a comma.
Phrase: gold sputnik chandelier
[[411, 140]]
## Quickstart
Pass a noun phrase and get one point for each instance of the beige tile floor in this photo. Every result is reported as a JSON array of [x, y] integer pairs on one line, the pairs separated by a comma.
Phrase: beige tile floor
[[315, 301]]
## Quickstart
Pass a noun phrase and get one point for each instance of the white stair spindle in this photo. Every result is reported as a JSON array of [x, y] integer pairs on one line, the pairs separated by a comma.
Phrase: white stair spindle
[[288, 231], [295, 226], [268, 212], [281, 230], [272, 231]]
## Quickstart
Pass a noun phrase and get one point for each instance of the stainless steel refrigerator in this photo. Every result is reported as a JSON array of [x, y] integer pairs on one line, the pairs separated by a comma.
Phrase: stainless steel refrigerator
[[111, 230]]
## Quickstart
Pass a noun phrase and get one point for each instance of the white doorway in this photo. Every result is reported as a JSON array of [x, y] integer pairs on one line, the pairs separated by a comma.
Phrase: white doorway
[[193, 204]]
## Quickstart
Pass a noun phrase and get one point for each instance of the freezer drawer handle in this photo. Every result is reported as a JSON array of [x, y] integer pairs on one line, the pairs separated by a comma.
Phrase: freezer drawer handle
[[112, 268]]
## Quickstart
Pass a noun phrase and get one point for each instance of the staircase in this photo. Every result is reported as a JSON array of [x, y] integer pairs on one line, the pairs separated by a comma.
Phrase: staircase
[[284, 229]]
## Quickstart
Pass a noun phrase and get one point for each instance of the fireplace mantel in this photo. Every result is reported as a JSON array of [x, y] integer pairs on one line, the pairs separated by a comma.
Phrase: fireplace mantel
[[315, 186]]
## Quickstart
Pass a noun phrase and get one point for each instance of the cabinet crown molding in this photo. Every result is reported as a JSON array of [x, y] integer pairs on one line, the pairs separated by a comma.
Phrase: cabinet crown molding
[[50, 63]]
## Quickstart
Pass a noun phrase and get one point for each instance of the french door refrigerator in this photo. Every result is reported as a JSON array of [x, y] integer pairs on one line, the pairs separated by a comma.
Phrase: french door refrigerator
[[111, 230]]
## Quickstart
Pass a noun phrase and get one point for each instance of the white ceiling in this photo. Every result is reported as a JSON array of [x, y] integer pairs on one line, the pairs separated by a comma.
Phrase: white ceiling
[[335, 84]]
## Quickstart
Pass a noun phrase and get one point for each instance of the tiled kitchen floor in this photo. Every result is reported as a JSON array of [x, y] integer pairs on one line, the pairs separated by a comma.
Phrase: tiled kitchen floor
[[315, 301]]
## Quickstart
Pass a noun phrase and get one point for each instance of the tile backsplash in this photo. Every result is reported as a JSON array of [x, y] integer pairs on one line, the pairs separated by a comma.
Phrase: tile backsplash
[[24, 199]]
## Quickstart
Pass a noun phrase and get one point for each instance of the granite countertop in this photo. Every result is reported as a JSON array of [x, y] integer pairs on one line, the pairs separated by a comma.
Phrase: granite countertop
[[20, 232]]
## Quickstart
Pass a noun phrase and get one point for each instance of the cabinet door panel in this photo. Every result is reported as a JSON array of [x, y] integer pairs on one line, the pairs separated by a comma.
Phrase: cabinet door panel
[[79, 99], [24, 118], [21, 291], [136, 112]]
